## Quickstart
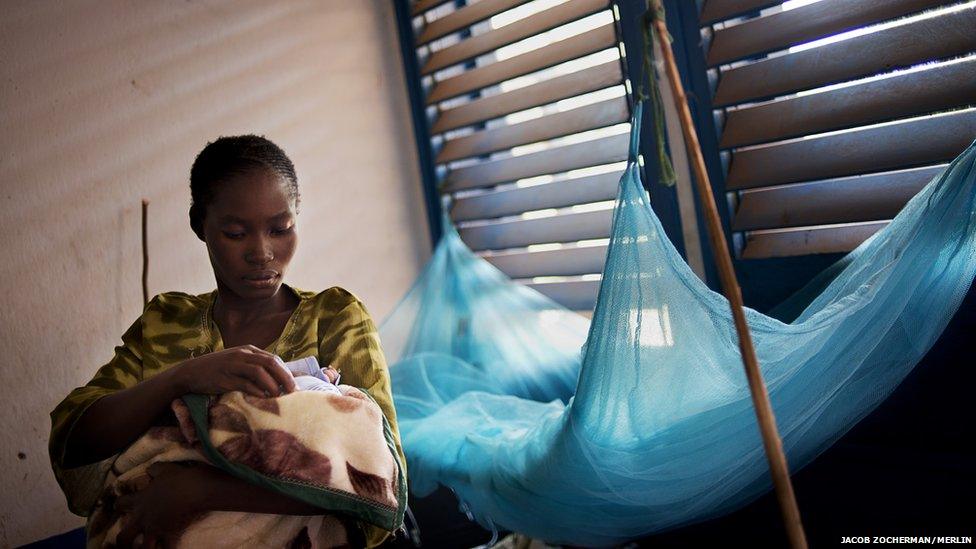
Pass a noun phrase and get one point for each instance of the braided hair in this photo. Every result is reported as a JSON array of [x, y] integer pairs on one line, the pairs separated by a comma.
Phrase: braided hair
[[228, 157]]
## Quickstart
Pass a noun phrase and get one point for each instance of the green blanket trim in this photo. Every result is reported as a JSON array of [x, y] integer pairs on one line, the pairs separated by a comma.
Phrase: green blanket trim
[[329, 499]]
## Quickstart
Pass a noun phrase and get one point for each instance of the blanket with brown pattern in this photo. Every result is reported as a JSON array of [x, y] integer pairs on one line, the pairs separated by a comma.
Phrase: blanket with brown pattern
[[333, 451]]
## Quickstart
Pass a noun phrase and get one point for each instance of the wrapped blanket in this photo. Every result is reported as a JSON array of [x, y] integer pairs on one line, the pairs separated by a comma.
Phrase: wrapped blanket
[[332, 451]]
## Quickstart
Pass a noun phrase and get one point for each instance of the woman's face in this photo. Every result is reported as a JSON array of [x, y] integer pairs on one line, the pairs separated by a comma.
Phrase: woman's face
[[250, 233]]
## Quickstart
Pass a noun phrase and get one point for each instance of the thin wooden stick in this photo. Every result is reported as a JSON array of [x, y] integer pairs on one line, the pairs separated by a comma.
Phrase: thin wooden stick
[[145, 252], [760, 398]]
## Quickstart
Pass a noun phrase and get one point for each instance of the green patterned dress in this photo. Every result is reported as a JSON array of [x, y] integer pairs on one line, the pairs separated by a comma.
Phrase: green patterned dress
[[332, 325]]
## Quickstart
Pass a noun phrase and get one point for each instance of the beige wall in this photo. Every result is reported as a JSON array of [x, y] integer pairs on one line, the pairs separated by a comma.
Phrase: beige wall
[[107, 102]]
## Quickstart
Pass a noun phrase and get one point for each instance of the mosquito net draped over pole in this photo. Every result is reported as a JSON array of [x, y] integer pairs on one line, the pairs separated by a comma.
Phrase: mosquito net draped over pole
[[594, 433]]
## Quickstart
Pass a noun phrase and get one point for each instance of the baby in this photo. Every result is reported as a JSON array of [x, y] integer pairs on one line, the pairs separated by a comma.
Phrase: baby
[[309, 376]]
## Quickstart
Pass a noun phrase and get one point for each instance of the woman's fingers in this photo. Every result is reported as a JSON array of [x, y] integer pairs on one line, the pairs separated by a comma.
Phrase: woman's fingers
[[128, 533], [247, 386], [163, 468], [125, 503], [253, 380], [274, 368], [280, 374], [149, 541], [261, 369], [258, 374], [254, 373]]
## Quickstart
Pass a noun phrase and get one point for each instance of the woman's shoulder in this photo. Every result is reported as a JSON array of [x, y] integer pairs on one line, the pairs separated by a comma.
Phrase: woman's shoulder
[[178, 307], [334, 295], [180, 301], [330, 301]]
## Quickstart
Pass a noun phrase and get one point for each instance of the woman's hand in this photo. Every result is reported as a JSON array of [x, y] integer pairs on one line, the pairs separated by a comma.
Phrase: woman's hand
[[180, 493], [166, 507], [246, 368], [113, 422]]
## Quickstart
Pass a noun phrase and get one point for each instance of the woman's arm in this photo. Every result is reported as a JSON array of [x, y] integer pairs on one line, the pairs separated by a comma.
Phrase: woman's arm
[[228, 493], [179, 493], [115, 420], [112, 422]]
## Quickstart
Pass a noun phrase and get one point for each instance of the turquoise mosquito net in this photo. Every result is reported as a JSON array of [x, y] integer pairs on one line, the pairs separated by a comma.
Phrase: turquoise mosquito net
[[594, 433]]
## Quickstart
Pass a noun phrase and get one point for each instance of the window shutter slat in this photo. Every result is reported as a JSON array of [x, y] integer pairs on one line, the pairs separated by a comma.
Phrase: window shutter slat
[[812, 240], [900, 145], [589, 117], [508, 92], [524, 28], [548, 91], [853, 199], [565, 262], [910, 94], [464, 17], [577, 294], [571, 48], [885, 50], [595, 188], [605, 150], [524, 232], [787, 28], [820, 159], [426, 5], [717, 10]]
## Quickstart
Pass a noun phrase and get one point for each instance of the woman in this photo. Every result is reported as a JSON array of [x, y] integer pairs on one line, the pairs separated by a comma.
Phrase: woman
[[244, 205]]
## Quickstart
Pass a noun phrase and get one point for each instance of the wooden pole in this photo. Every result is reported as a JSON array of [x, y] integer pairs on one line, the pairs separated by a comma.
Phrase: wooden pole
[[760, 398], [145, 252]]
